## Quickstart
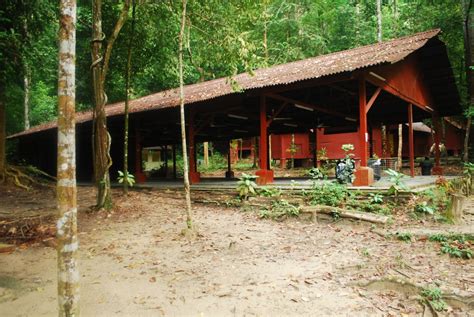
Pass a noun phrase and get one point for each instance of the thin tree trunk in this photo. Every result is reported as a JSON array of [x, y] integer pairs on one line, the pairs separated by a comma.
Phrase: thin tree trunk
[[400, 146], [379, 21], [466, 140], [127, 98], [68, 273], [3, 136], [469, 57], [26, 99], [187, 187], [100, 65]]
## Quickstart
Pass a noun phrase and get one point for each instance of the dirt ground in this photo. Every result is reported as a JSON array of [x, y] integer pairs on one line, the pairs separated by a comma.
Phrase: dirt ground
[[135, 262]]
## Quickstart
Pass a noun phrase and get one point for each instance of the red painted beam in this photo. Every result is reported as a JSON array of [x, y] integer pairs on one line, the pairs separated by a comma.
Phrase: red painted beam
[[363, 136], [372, 99], [309, 105], [410, 140], [279, 110]]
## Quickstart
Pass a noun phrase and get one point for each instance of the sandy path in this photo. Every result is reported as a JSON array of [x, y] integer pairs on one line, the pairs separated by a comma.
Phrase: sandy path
[[136, 263]]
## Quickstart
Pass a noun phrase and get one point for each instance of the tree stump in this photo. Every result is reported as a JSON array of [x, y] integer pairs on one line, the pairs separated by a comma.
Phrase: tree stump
[[455, 210]]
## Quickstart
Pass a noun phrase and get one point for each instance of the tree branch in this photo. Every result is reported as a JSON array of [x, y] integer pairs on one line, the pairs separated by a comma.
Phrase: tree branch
[[110, 43]]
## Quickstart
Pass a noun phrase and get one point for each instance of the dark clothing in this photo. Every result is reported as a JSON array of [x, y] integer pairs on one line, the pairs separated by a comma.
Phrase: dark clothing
[[426, 166]]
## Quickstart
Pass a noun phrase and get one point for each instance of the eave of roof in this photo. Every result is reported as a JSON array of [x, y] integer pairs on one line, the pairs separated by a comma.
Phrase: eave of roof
[[316, 67]]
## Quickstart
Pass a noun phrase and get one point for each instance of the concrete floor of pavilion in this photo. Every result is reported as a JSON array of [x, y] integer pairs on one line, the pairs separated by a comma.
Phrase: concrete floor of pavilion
[[214, 183]]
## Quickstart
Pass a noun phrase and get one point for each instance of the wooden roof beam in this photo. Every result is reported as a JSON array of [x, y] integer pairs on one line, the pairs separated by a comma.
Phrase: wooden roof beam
[[309, 105]]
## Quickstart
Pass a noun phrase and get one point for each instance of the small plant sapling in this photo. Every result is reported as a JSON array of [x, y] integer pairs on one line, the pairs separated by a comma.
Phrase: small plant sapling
[[398, 184], [128, 177], [246, 186], [434, 297], [375, 198], [424, 208]]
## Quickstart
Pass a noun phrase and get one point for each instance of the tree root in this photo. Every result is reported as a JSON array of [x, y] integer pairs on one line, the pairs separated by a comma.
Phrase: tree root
[[20, 178], [413, 290]]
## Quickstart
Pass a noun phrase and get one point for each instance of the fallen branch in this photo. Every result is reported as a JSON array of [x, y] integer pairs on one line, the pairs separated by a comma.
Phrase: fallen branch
[[345, 213]]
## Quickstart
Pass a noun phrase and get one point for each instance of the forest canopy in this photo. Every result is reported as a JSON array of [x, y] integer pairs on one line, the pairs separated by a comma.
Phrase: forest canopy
[[222, 38]]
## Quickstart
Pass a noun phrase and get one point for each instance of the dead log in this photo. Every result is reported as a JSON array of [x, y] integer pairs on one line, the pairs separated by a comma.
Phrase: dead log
[[345, 213]]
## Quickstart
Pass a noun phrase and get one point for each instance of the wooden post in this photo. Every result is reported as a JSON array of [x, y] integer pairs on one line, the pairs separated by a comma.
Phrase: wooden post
[[315, 151], [363, 136], [206, 154], [437, 169], [166, 159], [174, 161], [229, 173], [364, 176], [194, 176], [265, 175], [139, 175], [411, 144]]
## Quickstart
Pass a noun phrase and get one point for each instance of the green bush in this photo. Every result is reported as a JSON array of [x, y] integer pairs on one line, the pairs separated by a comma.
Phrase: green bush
[[329, 194]]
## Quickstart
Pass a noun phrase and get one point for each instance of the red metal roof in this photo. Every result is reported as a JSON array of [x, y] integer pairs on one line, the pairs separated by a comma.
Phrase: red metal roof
[[386, 52]]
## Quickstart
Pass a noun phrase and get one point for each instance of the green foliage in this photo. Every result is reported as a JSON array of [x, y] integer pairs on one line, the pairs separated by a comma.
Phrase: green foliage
[[281, 209], [456, 245], [424, 208], [434, 296], [317, 173], [457, 249], [269, 191], [246, 186], [327, 193], [398, 184], [375, 198], [404, 236], [129, 178]]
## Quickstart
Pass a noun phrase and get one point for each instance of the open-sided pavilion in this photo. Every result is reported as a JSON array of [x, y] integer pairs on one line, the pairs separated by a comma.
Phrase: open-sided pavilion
[[403, 80]]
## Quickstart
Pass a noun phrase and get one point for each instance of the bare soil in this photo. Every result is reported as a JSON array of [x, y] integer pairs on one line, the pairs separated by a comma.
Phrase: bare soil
[[135, 262]]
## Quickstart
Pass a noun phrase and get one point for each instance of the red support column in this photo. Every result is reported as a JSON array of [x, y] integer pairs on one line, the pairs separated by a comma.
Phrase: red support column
[[265, 175], [139, 175], [194, 176], [364, 176], [410, 140], [315, 150], [363, 135], [377, 140], [437, 169]]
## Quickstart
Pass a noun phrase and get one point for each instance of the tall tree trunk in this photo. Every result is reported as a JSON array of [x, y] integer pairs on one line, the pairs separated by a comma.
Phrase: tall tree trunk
[[466, 139], [379, 21], [26, 78], [68, 273], [400, 146], [254, 148], [187, 187], [100, 65], [469, 57], [127, 98], [3, 136], [26, 99]]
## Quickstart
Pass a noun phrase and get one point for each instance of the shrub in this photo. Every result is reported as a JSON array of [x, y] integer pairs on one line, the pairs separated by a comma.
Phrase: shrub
[[246, 186]]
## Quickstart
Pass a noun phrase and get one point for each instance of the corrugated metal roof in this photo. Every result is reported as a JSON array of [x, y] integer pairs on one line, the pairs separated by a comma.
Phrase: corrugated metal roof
[[386, 52]]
